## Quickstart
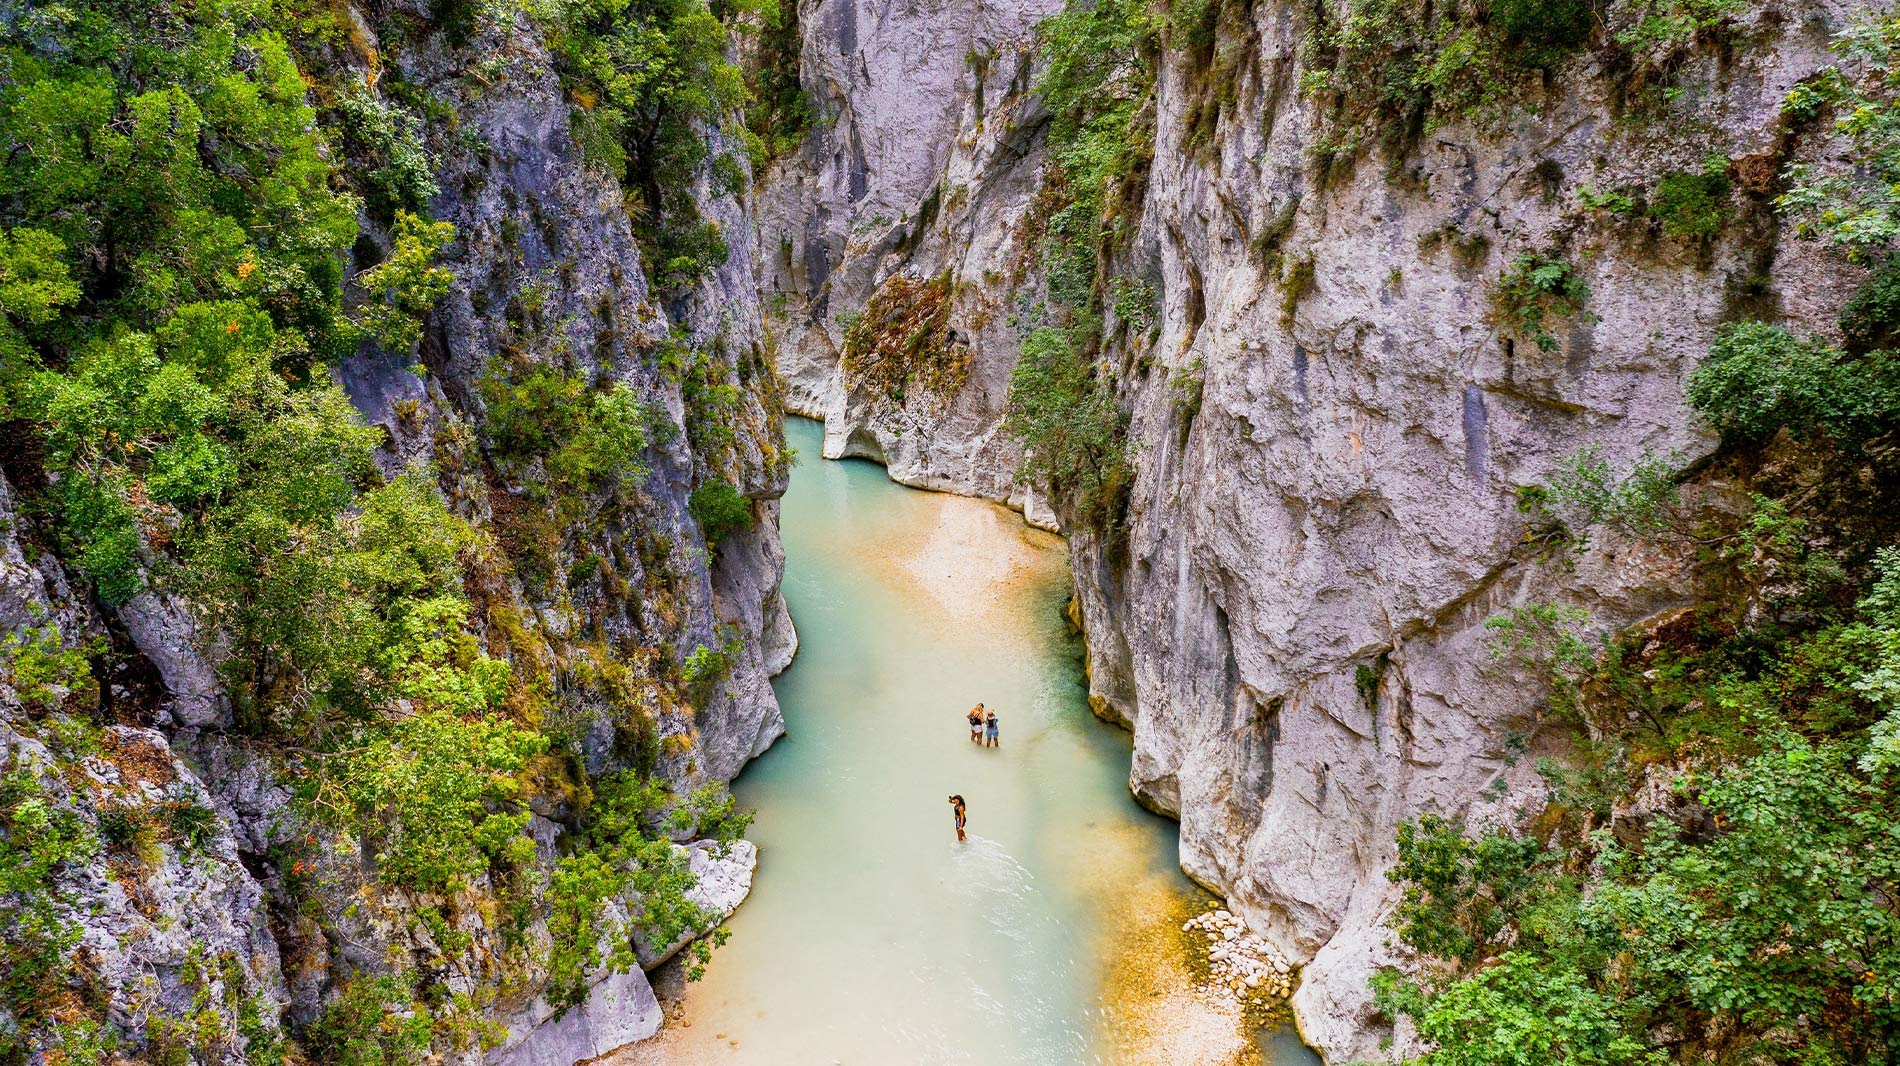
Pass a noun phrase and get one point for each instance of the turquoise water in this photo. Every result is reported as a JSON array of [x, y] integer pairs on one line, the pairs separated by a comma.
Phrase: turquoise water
[[872, 936]]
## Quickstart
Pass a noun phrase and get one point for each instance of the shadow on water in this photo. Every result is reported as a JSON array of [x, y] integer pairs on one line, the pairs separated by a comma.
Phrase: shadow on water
[[872, 936]]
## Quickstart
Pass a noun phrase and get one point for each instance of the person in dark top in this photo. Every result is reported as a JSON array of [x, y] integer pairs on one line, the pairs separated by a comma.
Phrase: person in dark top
[[975, 718], [956, 805], [989, 730]]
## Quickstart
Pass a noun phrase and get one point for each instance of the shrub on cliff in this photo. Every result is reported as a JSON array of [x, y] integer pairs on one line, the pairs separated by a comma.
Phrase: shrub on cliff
[[1073, 430], [1713, 877], [1693, 204], [720, 509], [1872, 318], [1535, 289], [1382, 70], [1759, 379], [646, 78], [903, 344], [1756, 914], [586, 440], [1098, 84]]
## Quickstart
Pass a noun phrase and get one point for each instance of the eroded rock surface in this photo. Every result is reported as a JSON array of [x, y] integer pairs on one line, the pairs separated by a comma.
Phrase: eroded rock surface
[[924, 166]]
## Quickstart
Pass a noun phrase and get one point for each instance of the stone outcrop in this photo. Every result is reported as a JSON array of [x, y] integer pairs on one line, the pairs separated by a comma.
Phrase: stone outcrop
[[1291, 617], [169, 922], [621, 1008], [155, 899], [924, 165]]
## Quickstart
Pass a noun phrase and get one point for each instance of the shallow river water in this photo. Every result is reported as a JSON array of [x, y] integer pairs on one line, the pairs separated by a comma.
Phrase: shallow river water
[[872, 936]]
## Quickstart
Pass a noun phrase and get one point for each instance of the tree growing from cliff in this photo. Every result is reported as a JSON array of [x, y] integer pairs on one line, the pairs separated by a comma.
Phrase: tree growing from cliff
[[646, 76], [1098, 84], [1852, 207], [1073, 429]]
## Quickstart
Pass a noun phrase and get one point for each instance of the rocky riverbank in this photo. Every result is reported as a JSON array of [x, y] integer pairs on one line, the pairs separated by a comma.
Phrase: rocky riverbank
[[1241, 966]]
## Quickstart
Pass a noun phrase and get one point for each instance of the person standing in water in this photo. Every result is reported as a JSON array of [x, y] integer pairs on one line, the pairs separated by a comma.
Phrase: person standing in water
[[956, 806], [989, 730], [975, 718]]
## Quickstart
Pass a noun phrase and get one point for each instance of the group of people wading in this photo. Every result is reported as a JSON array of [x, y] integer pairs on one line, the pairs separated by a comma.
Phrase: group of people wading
[[984, 734], [982, 726]]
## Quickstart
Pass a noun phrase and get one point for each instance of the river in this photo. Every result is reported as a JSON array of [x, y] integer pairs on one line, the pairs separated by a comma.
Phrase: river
[[872, 937]]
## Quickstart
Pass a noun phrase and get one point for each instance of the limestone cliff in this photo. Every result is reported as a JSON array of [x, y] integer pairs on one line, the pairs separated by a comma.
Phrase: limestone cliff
[[923, 169], [217, 916], [1331, 417]]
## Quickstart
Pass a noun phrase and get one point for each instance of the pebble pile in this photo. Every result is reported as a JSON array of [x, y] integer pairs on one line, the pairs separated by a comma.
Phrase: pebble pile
[[1242, 963]]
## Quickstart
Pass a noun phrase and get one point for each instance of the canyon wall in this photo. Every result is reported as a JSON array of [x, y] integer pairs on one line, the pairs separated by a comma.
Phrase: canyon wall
[[1330, 420], [924, 165], [261, 920]]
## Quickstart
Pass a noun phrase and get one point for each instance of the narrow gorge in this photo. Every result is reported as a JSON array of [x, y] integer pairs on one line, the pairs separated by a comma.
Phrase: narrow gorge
[[1470, 426]]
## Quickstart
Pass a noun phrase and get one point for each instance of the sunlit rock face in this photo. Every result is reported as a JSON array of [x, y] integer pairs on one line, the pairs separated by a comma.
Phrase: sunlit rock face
[[924, 164], [1292, 618]]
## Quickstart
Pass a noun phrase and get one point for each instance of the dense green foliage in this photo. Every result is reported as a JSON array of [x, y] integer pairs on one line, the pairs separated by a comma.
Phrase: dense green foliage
[[1587, 491], [1760, 379], [1387, 68], [586, 440], [1099, 86], [43, 672], [1651, 23], [1099, 78], [181, 272], [1760, 928], [1872, 318], [645, 76], [779, 111], [628, 851], [1693, 203], [720, 509], [1385, 71], [373, 1023], [1073, 426], [177, 203], [37, 842], [1852, 207]]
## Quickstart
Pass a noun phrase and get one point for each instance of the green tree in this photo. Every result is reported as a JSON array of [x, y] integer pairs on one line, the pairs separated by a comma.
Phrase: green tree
[[402, 288], [1759, 379], [646, 77], [1073, 428], [1852, 206], [720, 509]]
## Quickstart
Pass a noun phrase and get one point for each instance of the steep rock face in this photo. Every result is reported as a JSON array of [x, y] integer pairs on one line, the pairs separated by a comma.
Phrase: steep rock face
[[548, 272], [153, 897], [1292, 619], [172, 926], [924, 165], [1345, 496]]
